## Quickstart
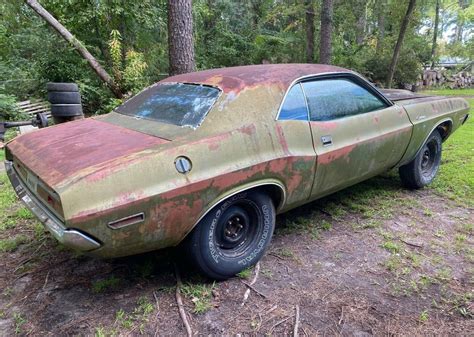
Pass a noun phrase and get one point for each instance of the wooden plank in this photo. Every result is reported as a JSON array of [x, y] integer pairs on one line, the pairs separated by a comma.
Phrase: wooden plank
[[34, 108], [27, 128], [26, 106], [25, 103], [32, 112]]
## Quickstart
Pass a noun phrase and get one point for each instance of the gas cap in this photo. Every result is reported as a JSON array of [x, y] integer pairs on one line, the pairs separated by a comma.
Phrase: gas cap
[[183, 165]]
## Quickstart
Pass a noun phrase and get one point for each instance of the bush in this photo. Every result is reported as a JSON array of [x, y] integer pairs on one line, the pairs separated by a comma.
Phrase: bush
[[8, 108]]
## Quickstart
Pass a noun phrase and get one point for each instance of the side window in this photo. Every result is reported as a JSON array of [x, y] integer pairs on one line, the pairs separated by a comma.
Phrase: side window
[[337, 98], [294, 106]]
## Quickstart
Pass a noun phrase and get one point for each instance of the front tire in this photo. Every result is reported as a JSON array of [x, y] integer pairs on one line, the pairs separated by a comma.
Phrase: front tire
[[422, 170], [233, 235]]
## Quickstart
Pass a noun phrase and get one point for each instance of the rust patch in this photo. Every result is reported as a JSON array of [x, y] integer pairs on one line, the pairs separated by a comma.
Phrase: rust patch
[[326, 126], [55, 154], [329, 157], [236, 79], [191, 192], [248, 129], [282, 139]]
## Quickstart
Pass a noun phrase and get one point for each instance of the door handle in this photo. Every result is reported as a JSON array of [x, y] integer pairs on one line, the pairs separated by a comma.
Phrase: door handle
[[326, 140]]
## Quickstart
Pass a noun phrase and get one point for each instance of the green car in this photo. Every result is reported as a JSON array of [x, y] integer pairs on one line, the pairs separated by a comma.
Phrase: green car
[[206, 160]]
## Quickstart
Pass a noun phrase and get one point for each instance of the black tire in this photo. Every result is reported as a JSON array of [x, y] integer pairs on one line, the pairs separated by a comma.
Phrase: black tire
[[66, 110], [422, 170], [64, 97], [62, 87], [232, 236]]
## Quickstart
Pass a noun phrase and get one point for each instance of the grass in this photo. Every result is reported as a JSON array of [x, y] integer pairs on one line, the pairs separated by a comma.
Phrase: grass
[[450, 92], [391, 246], [139, 315], [246, 273], [105, 284], [424, 316], [456, 175], [11, 244], [200, 294], [20, 321]]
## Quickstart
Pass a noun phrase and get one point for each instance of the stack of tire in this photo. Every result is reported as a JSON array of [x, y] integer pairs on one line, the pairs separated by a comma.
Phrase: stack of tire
[[65, 102]]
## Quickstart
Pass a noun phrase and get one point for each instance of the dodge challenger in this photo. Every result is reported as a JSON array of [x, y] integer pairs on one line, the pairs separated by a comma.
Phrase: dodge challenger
[[206, 160]]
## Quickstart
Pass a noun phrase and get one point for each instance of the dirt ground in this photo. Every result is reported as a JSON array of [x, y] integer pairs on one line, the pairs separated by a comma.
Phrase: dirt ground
[[373, 260]]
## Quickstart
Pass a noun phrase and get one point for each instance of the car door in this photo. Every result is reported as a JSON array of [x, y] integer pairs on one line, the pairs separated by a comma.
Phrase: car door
[[294, 132], [357, 133]]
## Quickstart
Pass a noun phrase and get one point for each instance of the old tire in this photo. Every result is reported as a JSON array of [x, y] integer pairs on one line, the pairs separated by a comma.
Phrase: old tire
[[61, 87], [232, 236], [64, 97], [66, 110], [422, 170]]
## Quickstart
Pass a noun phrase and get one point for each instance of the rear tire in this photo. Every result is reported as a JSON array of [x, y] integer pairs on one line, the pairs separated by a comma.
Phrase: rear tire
[[64, 97], [232, 236], [52, 86], [422, 170], [66, 110]]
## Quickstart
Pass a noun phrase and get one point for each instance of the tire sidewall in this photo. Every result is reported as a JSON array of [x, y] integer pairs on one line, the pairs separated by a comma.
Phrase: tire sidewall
[[213, 262], [66, 110], [62, 87], [64, 97]]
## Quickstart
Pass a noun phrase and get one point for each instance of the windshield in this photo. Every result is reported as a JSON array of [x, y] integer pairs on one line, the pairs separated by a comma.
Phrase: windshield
[[172, 103]]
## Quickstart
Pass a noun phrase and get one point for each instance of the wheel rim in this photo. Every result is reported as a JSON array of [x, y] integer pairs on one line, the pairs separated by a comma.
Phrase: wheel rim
[[237, 229], [428, 159]]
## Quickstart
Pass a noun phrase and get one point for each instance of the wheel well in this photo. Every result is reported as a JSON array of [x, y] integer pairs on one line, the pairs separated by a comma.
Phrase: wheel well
[[275, 192], [444, 129]]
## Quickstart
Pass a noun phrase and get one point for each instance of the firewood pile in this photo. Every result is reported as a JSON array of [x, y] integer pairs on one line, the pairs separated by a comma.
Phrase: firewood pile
[[432, 78]]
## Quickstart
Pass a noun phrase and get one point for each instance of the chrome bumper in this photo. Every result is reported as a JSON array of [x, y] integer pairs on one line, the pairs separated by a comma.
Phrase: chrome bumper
[[69, 237]]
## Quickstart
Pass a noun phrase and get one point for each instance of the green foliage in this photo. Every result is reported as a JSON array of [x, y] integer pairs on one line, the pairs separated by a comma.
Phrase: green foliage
[[129, 39], [103, 285], [200, 294], [11, 244], [8, 109], [246, 273], [139, 316]]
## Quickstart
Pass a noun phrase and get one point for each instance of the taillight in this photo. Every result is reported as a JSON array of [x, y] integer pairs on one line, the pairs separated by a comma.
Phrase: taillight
[[50, 199]]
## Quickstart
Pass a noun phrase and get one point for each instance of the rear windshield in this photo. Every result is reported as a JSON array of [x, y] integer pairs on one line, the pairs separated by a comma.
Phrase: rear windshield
[[172, 103]]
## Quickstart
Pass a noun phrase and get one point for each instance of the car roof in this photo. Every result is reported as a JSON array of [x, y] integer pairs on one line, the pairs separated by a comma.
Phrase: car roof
[[235, 79]]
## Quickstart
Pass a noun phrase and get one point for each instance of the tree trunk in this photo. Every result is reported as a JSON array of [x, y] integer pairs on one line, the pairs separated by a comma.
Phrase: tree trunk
[[361, 21], [435, 35], [459, 22], [309, 31], [398, 46], [93, 63], [325, 45], [180, 37], [123, 32], [380, 25]]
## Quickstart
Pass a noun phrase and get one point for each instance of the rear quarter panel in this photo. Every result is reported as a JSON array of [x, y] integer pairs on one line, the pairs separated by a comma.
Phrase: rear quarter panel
[[238, 146], [428, 113]]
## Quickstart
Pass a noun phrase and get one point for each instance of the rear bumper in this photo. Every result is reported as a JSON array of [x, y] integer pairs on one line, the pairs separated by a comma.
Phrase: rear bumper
[[68, 237]]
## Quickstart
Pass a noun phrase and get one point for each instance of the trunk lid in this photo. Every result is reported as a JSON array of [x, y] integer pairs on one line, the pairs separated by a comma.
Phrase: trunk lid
[[58, 153]]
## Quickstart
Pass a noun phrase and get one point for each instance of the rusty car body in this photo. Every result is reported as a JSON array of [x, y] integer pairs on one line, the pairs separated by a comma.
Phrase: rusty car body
[[126, 183]]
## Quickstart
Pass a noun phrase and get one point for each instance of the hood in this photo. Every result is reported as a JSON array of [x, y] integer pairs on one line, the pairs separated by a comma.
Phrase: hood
[[61, 152]]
